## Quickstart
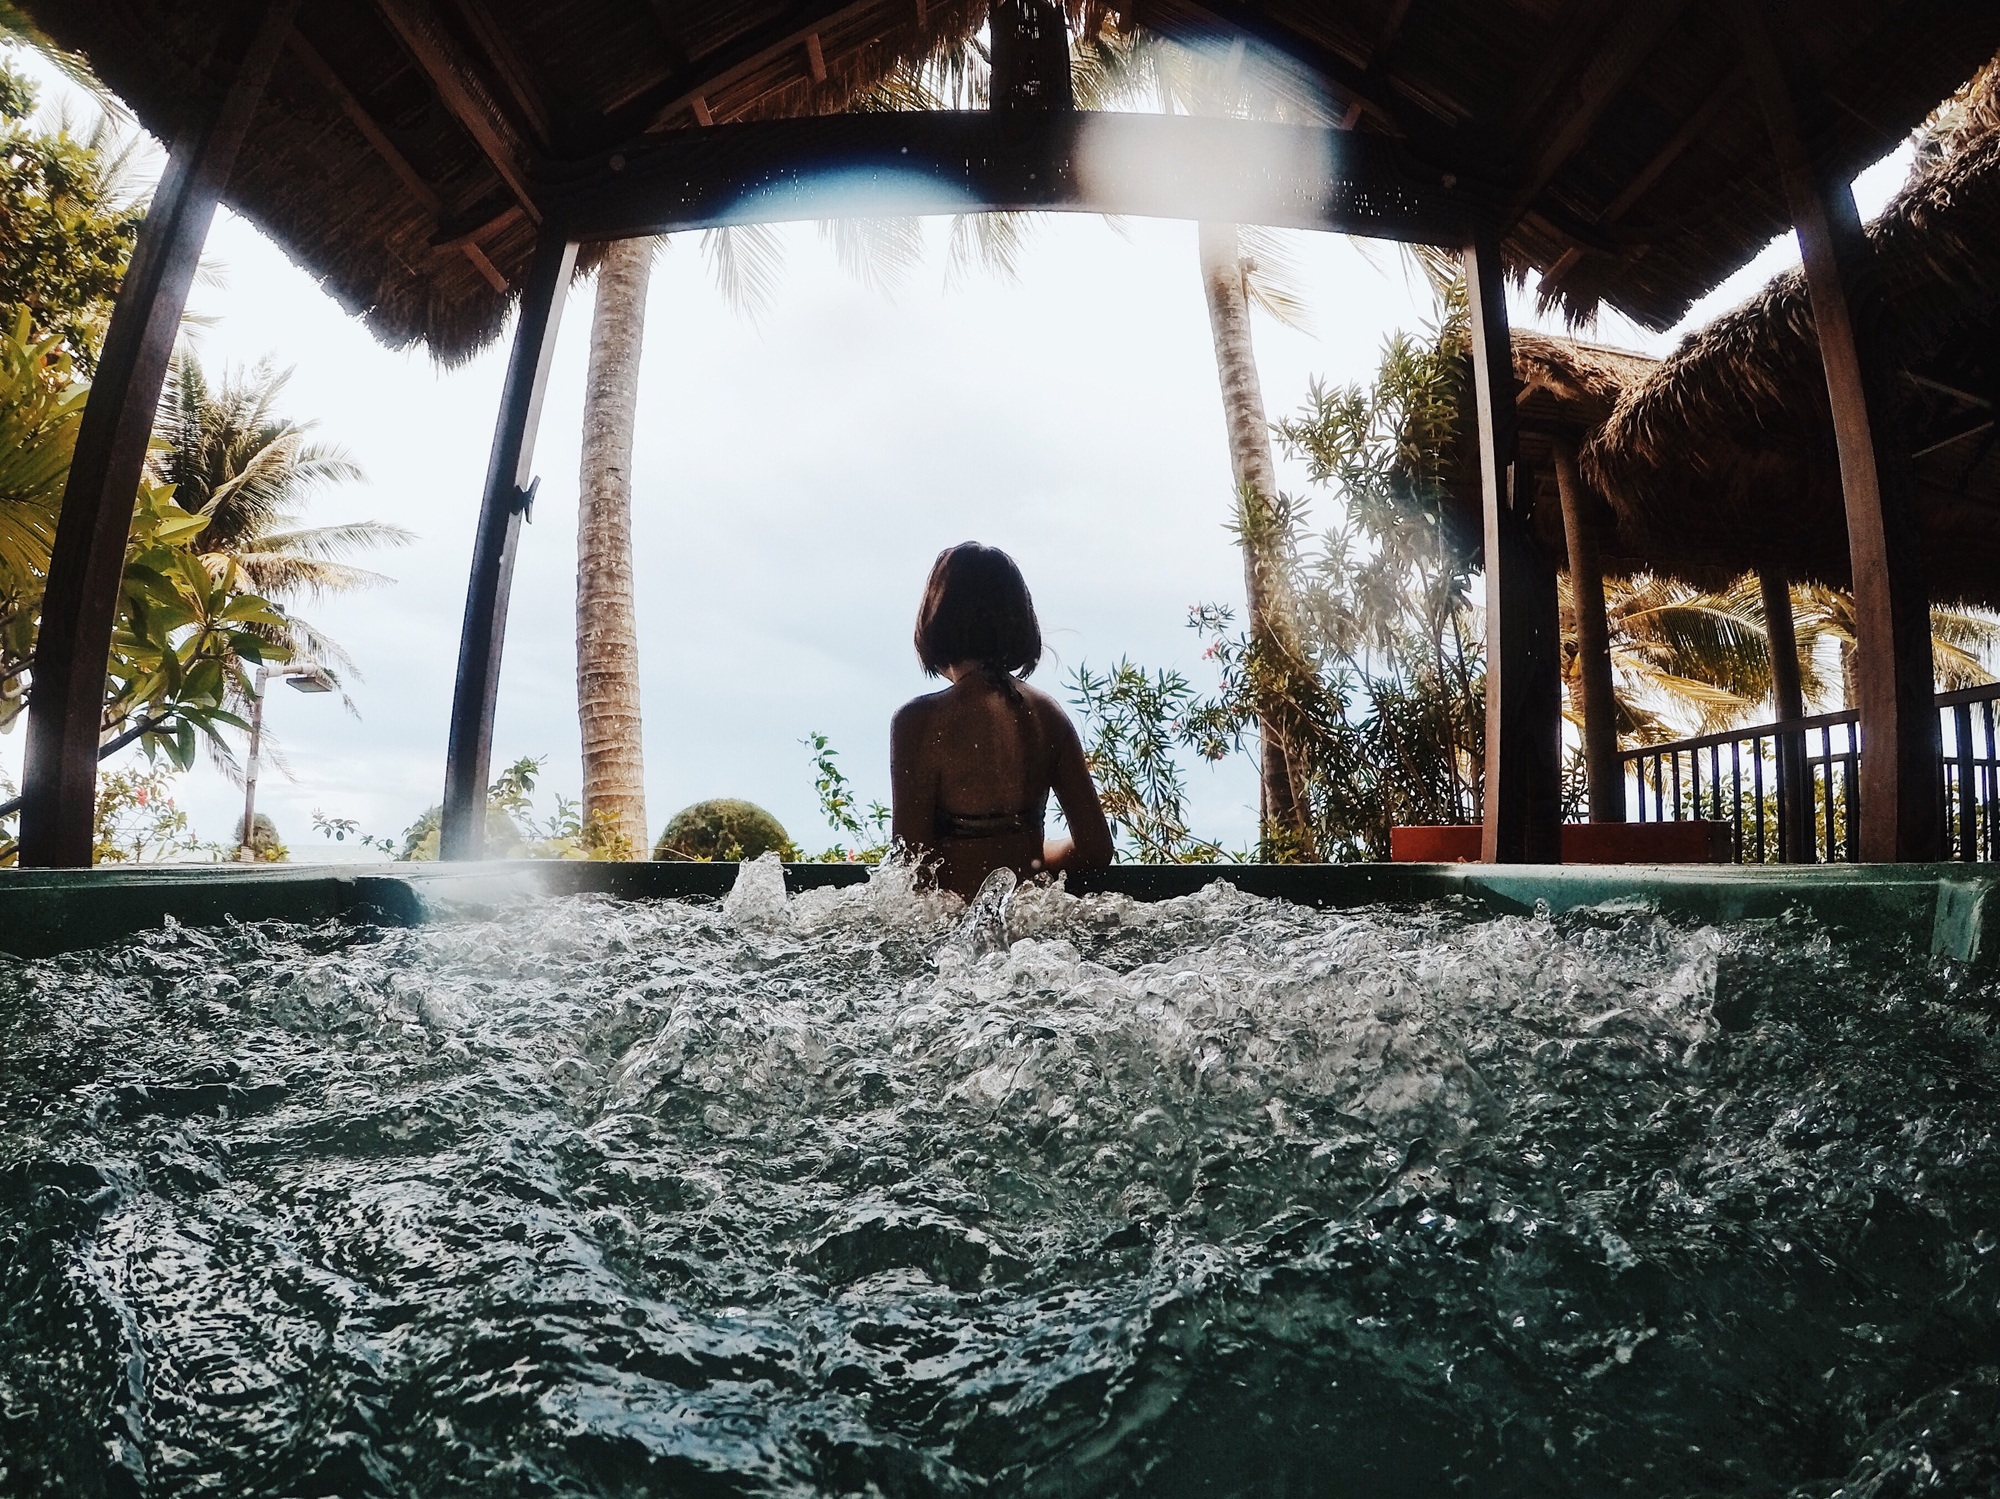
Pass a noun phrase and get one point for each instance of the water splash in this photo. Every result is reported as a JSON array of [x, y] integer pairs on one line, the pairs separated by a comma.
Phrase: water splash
[[866, 1191]]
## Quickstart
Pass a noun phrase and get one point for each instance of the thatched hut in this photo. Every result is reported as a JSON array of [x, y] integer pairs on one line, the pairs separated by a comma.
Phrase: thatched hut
[[1724, 460], [432, 160]]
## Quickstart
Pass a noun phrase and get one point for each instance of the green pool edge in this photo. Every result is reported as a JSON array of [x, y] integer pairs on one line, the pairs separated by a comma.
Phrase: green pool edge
[[1952, 908]]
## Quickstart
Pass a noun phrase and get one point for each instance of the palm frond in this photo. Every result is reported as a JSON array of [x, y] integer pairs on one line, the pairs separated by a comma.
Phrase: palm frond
[[1271, 275], [329, 542], [746, 261], [285, 575], [991, 242], [879, 253]]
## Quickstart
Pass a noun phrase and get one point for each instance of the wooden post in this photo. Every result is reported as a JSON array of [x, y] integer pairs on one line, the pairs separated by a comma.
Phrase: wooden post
[[1522, 809], [80, 602], [1901, 790], [1604, 770], [1795, 808], [1030, 47], [509, 492]]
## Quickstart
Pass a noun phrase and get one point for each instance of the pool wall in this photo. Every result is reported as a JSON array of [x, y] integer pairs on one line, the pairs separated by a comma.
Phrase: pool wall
[[1950, 907]]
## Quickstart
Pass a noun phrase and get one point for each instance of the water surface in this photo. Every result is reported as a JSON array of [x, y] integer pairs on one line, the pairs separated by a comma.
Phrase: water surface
[[855, 1194]]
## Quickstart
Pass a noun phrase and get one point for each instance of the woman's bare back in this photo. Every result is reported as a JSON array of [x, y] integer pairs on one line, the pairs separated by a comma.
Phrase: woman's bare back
[[973, 767]]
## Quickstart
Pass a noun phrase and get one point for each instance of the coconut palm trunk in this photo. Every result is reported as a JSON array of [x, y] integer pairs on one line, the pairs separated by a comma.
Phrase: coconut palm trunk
[[607, 639], [1282, 805]]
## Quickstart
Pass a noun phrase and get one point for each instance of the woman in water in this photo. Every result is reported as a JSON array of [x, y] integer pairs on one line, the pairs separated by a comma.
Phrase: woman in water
[[972, 766]]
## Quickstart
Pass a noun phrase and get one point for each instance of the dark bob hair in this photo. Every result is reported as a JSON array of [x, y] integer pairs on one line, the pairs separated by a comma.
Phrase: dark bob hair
[[976, 608]]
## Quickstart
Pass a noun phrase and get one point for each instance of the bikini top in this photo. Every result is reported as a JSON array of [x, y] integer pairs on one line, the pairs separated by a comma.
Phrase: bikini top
[[996, 824], [993, 824]]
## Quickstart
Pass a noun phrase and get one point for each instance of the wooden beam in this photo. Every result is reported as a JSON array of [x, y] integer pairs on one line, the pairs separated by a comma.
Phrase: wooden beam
[[673, 39], [1604, 772], [815, 58], [1521, 815], [1172, 166], [1690, 130], [364, 122], [1637, 34], [509, 484], [484, 266], [655, 107], [453, 236], [460, 93], [412, 180], [1377, 65], [80, 601], [1349, 79], [513, 71], [699, 107], [1796, 817], [1901, 788]]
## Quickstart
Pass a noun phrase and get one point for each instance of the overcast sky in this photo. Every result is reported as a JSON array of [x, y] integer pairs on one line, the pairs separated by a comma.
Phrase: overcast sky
[[793, 481]]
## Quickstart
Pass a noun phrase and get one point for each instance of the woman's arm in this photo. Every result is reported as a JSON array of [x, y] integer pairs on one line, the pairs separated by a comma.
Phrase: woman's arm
[[912, 781], [1089, 844]]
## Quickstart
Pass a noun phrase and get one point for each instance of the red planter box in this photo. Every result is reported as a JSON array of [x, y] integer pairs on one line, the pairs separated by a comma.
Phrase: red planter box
[[1582, 843]]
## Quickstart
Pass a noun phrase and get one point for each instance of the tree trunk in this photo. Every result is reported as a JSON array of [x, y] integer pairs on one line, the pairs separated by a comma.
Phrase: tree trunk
[[1282, 799], [1604, 772], [607, 641]]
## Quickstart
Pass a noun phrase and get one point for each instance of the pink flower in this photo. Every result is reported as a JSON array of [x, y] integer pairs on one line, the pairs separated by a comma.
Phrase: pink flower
[[142, 796]]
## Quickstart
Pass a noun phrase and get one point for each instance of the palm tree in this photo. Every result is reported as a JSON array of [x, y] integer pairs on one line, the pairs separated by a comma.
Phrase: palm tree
[[607, 637], [1240, 266], [1692, 658], [745, 264], [233, 459]]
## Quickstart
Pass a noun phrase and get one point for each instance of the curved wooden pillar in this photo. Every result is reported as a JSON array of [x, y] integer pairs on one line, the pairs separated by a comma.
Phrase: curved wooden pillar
[[80, 603], [1603, 770], [1521, 820], [1902, 796], [1788, 699], [509, 492]]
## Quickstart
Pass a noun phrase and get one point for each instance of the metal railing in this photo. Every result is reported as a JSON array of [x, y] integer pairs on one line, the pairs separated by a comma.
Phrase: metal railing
[[1791, 793]]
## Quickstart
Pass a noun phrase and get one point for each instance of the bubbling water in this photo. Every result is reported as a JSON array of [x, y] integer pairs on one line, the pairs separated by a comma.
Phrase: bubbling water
[[864, 1192]]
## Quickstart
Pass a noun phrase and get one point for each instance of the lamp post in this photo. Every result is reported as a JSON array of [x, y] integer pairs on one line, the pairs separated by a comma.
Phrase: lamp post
[[302, 679]]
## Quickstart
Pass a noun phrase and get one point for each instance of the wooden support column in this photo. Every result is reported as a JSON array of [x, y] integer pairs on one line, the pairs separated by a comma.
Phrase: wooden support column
[[1901, 791], [1522, 816], [80, 602], [1602, 767], [1030, 46], [1788, 699], [509, 491]]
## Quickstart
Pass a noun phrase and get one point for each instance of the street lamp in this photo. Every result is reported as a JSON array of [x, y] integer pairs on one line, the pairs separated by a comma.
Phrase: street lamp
[[302, 679]]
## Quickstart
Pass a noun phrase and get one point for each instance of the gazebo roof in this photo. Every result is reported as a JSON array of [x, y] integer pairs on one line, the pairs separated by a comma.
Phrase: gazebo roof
[[1724, 459], [404, 147]]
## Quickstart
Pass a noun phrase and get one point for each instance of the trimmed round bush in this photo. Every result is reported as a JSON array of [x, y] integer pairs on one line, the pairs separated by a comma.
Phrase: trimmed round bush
[[726, 827]]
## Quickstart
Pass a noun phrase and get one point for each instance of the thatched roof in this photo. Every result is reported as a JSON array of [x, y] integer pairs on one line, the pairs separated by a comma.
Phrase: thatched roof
[[374, 184], [1724, 459], [1565, 389], [1619, 142]]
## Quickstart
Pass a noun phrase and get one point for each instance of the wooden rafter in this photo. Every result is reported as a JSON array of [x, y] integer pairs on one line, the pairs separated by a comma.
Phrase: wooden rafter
[[460, 93], [358, 115], [513, 71], [1690, 130], [1426, 129], [1377, 65], [815, 57], [654, 107], [399, 164], [1636, 36]]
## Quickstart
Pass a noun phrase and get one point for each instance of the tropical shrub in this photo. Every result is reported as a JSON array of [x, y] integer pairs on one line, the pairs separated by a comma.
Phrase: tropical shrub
[[724, 828]]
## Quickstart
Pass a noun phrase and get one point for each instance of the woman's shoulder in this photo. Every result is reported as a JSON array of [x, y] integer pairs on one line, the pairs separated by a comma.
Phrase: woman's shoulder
[[918, 709], [1047, 708]]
